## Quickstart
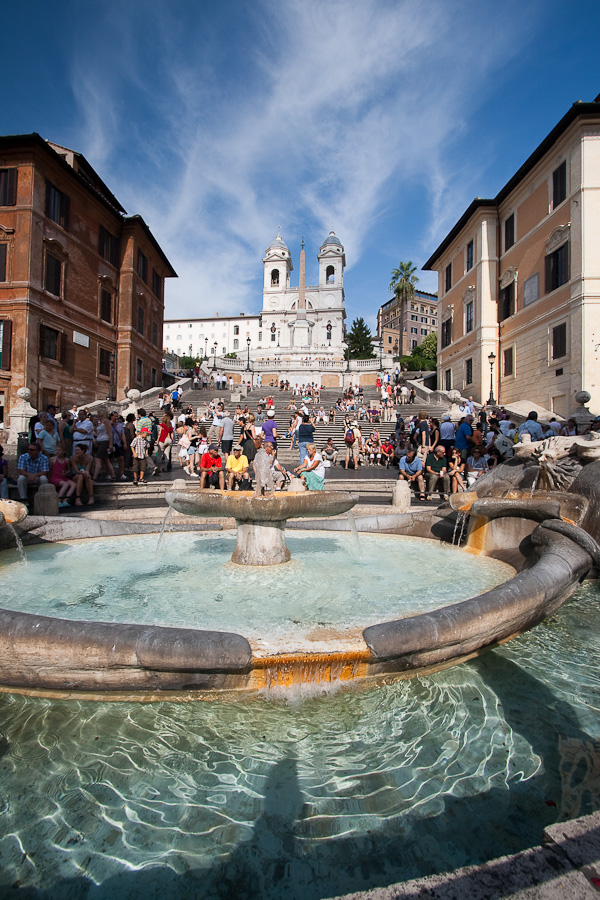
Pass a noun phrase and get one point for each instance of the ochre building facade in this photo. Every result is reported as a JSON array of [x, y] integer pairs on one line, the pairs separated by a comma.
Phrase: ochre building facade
[[519, 278], [81, 283]]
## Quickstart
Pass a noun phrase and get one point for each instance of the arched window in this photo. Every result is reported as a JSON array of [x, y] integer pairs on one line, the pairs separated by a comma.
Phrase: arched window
[[274, 277], [236, 345], [236, 329], [329, 274]]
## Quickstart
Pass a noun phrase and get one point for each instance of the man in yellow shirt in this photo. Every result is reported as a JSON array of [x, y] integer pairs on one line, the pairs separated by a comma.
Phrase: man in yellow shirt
[[237, 468]]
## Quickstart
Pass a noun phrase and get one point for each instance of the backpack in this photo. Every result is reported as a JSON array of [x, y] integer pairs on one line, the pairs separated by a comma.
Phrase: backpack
[[350, 438]]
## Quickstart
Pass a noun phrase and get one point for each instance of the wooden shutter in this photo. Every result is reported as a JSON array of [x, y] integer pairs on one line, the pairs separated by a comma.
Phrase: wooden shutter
[[6, 343]]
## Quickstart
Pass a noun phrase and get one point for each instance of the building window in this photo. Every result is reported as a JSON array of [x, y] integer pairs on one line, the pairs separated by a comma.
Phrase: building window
[[423, 331], [414, 318], [236, 345], [559, 341], [53, 343], [57, 205], [236, 329], [104, 362], [424, 319], [469, 255], [155, 334], [153, 378], [509, 232], [140, 321], [329, 274], [157, 284], [105, 305], [259, 336], [139, 370], [3, 258], [53, 275], [506, 302], [448, 379], [8, 187], [414, 330], [142, 266], [389, 338], [469, 371], [5, 343], [557, 268], [448, 276], [469, 317], [274, 277], [531, 289], [447, 332], [559, 184], [509, 362], [414, 344], [108, 246]]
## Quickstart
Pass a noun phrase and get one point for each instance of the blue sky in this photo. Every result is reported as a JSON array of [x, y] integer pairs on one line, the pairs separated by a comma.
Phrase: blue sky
[[221, 121]]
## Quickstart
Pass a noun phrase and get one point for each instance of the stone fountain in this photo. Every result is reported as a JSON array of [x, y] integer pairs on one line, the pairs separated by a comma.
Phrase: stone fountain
[[260, 520]]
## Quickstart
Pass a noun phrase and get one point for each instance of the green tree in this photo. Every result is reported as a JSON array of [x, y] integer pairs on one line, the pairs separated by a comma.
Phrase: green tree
[[360, 340], [424, 356], [404, 280]]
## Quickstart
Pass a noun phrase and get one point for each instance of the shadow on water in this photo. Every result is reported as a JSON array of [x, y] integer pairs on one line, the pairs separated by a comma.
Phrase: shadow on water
[[280, 860]]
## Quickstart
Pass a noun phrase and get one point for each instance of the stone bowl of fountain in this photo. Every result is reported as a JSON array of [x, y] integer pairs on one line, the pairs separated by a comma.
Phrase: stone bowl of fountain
[[260, 519]]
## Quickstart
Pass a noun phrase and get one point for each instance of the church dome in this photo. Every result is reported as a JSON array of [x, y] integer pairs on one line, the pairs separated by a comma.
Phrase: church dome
[[331, 238], [278, 244]]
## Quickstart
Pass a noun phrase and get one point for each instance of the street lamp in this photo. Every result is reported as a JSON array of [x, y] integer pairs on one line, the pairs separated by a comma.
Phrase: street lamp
[[215, 345], [348, 359], [248, 342], [205, 348], [492, 360]]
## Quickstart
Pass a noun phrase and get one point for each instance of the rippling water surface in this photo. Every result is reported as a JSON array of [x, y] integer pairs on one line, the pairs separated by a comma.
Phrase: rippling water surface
[[305, 798]]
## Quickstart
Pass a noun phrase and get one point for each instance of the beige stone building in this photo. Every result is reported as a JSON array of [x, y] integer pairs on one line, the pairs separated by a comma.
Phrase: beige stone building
[[402, 325], [519, 278]]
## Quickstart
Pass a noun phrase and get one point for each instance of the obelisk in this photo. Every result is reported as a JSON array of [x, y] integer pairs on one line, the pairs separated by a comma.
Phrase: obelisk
[[300, 328]]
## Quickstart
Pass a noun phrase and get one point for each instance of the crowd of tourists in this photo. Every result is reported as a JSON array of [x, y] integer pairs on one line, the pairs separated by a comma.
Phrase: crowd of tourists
[[76, 449]]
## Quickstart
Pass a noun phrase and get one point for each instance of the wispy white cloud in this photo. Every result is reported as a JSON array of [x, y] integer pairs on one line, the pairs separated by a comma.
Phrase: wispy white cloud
[[304, 115]]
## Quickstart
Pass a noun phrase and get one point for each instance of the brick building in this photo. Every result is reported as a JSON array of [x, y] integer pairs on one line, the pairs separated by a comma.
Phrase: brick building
[[402, 325], [81, 283], [519, 278]]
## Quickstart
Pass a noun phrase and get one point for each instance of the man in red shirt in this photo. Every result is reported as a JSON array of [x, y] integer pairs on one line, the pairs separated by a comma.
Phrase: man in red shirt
[[211, 469]]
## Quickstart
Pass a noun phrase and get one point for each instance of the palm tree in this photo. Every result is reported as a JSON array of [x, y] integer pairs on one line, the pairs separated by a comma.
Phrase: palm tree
[[404, 280]]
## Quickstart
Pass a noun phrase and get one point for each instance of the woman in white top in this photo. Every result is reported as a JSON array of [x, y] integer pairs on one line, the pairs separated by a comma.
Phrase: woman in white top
[[312, 469]]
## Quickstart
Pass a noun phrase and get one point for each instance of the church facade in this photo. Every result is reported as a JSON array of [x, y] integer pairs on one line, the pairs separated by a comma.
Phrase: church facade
[[294, 323]]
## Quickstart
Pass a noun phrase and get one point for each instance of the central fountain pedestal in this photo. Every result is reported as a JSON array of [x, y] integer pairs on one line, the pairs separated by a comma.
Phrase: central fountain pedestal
[[260, 545], [260, 520]]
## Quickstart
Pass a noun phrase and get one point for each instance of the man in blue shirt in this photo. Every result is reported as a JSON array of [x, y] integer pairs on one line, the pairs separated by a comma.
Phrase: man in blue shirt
[[33, 468], [464, 437], [532, 427], [411, 470]]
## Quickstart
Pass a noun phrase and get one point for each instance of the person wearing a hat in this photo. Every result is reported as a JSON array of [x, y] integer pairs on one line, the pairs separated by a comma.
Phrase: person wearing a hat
[[447, 432], [139, 451], [237, 469], [211, 469]]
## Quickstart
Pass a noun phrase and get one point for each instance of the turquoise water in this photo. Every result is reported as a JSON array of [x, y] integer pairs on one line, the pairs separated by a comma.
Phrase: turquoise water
[[266, 798], [331, 584]]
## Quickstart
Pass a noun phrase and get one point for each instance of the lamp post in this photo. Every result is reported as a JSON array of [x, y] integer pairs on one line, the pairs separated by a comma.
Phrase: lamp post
[[205, 348], [492, 360], [348, 358], [380, 354], [248, 342], [215, 345]]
